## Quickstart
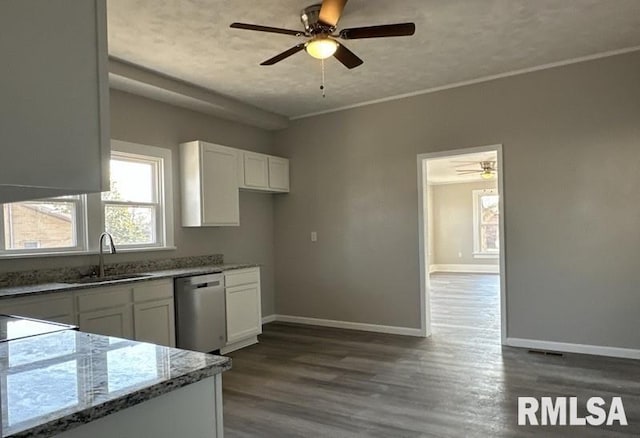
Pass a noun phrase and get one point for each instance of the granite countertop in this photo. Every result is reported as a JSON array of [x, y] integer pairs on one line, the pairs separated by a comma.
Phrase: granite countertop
[[57, 381], [12, 328], [34, 289]]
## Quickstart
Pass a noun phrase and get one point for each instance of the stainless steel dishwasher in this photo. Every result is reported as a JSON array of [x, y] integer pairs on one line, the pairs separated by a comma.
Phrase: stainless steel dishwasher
[[200, 313]]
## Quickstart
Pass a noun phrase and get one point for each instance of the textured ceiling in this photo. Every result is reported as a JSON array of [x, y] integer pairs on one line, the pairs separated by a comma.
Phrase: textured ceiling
[[444, 170], [455, 41]]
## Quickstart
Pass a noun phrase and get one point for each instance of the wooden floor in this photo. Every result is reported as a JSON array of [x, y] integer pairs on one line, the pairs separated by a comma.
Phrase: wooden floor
[[303, 381]]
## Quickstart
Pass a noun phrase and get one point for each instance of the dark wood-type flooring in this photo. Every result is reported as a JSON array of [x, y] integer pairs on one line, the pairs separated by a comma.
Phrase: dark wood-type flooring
[[303, 381]]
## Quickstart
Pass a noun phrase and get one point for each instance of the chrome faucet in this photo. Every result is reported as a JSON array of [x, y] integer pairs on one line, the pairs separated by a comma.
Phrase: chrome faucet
[[112, 249]]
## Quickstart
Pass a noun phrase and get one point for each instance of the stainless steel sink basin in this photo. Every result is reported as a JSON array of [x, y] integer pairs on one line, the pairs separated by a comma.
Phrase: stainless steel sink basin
[[108, 278]]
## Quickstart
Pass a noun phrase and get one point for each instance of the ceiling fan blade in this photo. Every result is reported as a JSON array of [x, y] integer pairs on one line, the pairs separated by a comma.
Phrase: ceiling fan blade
[[386, 30], [284, 55], [269, 29], [331, 11], [465, 172], [347, 57]]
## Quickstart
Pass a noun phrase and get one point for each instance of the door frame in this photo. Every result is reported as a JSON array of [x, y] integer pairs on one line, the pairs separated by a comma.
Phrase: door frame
[[425, 295]]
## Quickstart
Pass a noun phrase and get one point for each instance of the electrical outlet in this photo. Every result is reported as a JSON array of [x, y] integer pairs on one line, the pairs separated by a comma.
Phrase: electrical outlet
[[314, 236]]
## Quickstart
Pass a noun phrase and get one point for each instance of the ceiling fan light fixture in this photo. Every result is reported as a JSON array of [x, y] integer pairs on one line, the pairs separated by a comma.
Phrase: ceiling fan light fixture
[[487, 174], [321, 48]]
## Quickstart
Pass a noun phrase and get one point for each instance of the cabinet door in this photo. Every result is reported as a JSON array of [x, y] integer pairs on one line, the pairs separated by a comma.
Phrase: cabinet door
[[54, 125], [220, 197], [56, 308], [154, 322], [279, 174], [256, 171], [116, 322], [243, 312]]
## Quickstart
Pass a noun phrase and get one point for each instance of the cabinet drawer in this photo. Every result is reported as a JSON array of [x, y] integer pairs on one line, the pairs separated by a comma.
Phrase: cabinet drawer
[[103, 299], [42, 308], [155, 290], [241, 276]]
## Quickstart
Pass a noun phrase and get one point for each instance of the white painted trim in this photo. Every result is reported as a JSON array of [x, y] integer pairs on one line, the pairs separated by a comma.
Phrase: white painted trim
[[475, 81], [405, 331], [467, 269], [268, 319], [564, 347], [425, 316], [165, 191], [423, 248]]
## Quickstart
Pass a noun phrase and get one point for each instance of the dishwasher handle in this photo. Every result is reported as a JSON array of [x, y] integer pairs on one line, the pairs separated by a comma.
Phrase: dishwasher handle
[[214, 284], [200, 281]]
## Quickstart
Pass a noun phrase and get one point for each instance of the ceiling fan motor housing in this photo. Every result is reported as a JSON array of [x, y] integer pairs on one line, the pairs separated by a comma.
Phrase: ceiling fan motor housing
[[310, 17]]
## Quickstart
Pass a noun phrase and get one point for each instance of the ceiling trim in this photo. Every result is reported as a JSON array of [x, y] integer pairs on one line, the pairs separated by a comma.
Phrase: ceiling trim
[[475, 81], [153, 85]]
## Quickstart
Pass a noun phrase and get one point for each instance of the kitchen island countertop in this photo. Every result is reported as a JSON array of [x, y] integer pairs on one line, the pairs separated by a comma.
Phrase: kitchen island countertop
[[59, 381]]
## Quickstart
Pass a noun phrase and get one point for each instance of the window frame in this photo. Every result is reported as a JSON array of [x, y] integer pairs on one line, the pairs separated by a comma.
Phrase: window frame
[[477, 224], [163, 193], [79, 229]]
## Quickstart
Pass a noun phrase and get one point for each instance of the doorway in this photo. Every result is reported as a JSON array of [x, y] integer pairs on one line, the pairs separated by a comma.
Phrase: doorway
[[461, 244]]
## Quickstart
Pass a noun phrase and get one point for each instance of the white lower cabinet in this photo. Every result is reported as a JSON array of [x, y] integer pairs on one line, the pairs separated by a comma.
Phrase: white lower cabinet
[[114, 321], [243, 306], [142, 311], [56, 308], [155, 322], [243, 315]]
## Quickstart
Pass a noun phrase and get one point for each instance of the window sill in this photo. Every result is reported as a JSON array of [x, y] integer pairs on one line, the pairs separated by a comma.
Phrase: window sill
[[485, 256], [83, 253]]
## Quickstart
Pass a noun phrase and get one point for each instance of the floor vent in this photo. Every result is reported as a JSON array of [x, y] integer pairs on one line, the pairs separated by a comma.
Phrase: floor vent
[[547, 353]]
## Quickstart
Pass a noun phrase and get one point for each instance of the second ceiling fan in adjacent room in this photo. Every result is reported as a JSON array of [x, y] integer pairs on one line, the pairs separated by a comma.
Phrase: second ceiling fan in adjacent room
[[320, 26]]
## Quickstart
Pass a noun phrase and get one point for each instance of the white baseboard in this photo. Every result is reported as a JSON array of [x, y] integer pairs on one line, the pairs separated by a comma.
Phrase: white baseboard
[[268, 319], [466, 269], [394, 330], [562, 347]]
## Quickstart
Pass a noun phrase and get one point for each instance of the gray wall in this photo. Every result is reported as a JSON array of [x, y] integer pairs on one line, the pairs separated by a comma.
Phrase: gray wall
[[571, 139], [140, 120], [452, 206]]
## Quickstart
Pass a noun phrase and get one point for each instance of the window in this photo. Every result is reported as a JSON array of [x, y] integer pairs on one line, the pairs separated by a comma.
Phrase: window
[[137, 211], [132, 207], [486, 223], [43, 226]]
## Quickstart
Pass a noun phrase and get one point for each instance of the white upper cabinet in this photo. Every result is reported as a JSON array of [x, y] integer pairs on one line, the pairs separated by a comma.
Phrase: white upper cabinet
[[209, 175], [263, 172], [279, 174], [255, 172], [54, 109]]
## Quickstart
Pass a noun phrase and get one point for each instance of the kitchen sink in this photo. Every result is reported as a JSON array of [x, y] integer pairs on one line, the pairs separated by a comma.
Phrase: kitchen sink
[[108, 278]]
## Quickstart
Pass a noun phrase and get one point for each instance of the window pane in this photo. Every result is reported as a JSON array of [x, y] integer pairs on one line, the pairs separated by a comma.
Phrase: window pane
[[131, 181], [489, 238], [130, 225], [35, 225], [489, 209]]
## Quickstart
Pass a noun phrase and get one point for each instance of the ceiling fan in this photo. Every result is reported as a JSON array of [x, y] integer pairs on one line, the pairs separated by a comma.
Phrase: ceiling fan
[[320, 23], [487, 169]]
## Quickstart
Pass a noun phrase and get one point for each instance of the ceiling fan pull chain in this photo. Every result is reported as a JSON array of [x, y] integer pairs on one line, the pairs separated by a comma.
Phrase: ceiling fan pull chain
[[322, 87]]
